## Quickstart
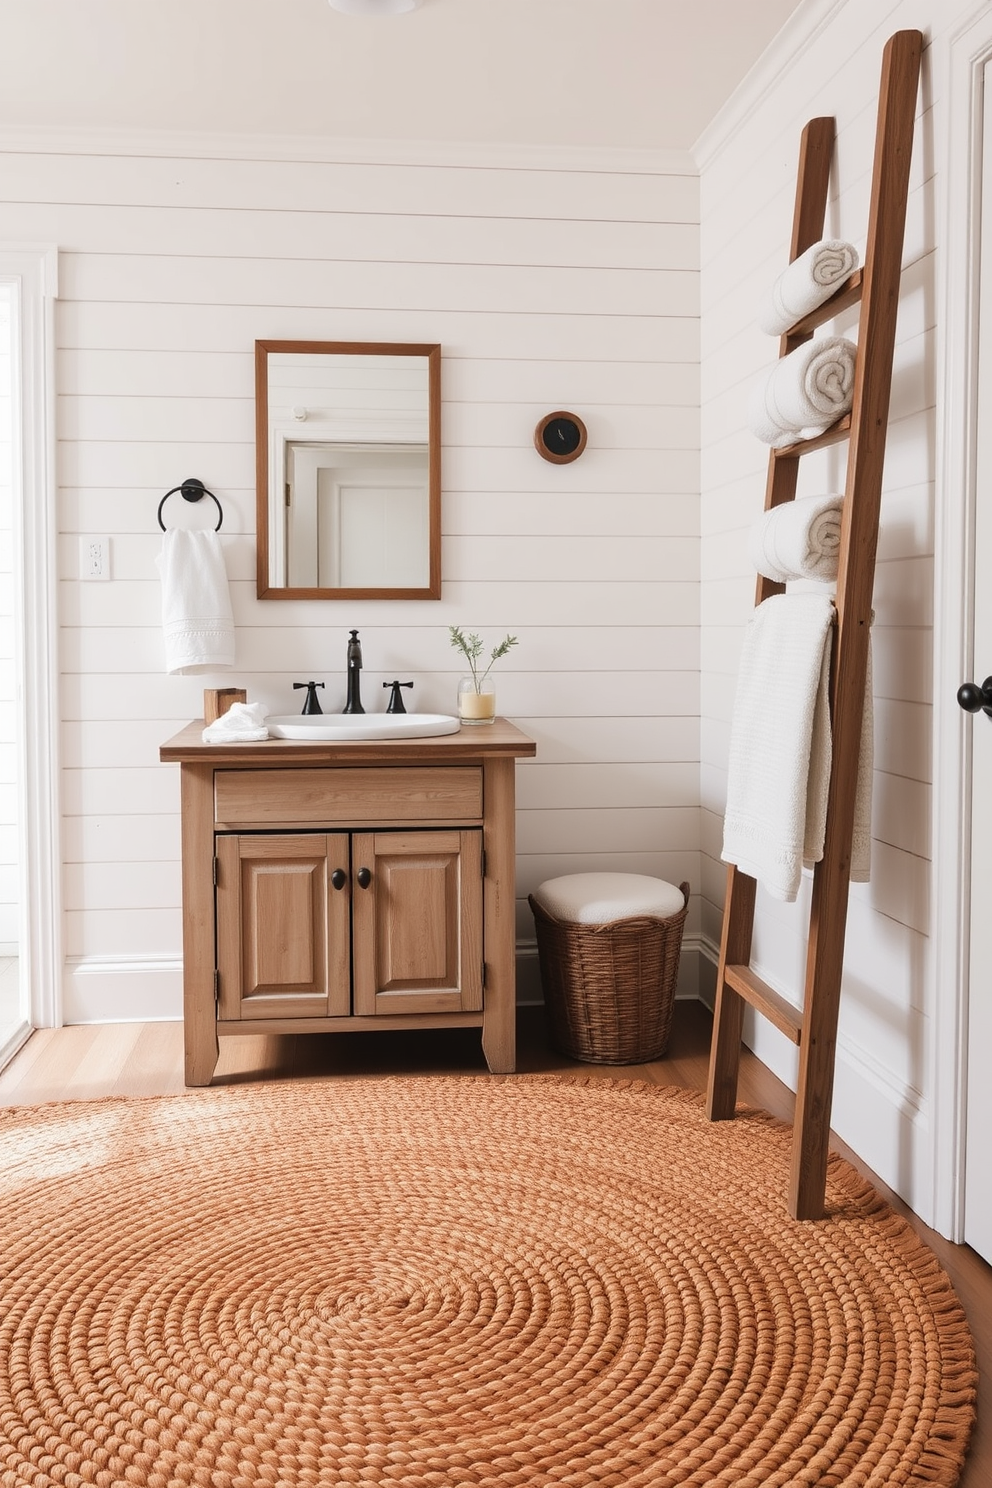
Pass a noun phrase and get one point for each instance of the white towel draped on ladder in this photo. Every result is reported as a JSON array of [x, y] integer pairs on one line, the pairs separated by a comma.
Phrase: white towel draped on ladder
[[780, 748]]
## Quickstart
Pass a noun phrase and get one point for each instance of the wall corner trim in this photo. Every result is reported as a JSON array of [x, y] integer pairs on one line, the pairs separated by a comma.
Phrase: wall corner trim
[[798, 34]]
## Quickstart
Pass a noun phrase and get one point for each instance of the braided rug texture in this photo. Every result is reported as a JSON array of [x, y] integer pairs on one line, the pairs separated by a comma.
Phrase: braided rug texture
[[450, 1282]]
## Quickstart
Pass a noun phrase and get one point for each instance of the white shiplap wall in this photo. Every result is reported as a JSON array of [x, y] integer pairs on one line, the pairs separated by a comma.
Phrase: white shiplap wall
[[548, 284], [748, 165]]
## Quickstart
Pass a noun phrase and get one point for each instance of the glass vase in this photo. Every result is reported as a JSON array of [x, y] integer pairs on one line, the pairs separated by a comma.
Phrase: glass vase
[[476, 704]]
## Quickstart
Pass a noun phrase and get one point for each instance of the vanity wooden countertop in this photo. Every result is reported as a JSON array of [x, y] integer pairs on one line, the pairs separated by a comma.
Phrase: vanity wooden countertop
[[498, 739]]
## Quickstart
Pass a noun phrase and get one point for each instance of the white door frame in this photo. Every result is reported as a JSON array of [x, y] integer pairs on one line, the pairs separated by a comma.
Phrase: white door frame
[[959, 153], [32, 271]]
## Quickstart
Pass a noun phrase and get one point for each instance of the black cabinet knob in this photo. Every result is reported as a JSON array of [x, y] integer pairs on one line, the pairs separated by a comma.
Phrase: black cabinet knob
[[364, 878], [975, 699], [339, 878]]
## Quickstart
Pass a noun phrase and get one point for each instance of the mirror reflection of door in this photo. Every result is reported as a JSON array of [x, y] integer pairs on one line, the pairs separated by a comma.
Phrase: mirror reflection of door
[[356, 517]]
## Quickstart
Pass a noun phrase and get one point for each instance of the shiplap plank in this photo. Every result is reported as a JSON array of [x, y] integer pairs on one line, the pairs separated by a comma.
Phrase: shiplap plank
[[495, 605], [124, 930], [321, 233], [120, 792], [144, 372], [95, 697], [624, 737], [607, 784], [510, 334], [594, 557], [294, 186], [152, 279], [135, 838], [138, 649], [227, 419]]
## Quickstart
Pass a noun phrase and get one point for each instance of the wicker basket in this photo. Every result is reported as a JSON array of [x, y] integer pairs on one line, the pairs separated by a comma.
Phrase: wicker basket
[[610, 989]]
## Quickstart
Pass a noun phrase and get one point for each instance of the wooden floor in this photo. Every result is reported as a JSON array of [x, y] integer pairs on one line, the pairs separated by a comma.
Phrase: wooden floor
[[140, 1059]]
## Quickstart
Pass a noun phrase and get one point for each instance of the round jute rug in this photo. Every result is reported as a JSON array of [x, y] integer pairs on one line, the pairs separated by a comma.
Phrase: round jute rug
[[451, 1282]]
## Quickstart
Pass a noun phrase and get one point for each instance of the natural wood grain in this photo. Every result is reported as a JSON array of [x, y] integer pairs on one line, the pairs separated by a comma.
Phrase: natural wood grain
[[418, 926], [353, 796], [499, 738], [424, 929], [196, 790], [855, 581], [499, 909]]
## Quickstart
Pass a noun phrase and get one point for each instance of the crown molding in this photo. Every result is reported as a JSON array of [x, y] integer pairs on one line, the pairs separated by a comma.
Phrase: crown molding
[[469, 155], [800, 32]]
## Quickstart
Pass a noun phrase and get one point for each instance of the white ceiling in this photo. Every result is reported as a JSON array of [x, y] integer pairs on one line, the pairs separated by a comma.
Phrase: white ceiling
[[641, 74]]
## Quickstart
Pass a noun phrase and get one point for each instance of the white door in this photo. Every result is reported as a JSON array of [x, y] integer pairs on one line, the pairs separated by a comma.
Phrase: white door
[[978, 1151]]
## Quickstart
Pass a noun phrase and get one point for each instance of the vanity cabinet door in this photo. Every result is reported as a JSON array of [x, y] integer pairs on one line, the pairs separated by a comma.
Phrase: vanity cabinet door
[[283, 928], [417, 921]]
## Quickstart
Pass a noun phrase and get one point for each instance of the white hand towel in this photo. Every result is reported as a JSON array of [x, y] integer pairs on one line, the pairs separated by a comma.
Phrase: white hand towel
[[780, 748], [798, 540], [806, 283], [197, 619], [242, 723], [781, 699], [803, 393]]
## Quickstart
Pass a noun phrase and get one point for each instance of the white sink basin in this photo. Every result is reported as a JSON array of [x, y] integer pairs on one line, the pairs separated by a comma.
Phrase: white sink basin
[[362, 725]]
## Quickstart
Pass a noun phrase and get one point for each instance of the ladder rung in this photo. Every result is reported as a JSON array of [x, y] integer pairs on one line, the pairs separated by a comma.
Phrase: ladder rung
[[848, 294], [765, 1000], [838, 431]]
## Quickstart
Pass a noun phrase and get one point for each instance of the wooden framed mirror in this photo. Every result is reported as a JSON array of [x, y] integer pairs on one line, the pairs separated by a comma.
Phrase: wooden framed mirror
[[348, 470]]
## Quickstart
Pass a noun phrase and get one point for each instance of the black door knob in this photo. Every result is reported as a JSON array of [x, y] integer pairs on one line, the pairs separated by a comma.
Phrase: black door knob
[[364, 878], [339, 878], [974, 699]]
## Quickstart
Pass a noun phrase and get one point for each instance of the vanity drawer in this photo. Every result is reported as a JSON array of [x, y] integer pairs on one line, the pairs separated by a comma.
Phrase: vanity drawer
[[350, 795]]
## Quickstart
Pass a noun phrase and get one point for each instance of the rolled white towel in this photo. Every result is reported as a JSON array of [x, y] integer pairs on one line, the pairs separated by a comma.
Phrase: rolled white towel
[[798, 540], [243, 723], [806, 283], [803, 393]]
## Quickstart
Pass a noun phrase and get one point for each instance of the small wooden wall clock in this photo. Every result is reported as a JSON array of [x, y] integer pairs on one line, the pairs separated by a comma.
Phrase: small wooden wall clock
[[560, 437]]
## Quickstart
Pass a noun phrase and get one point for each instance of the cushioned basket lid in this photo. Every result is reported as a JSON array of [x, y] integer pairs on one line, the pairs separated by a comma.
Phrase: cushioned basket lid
[[598, 898]]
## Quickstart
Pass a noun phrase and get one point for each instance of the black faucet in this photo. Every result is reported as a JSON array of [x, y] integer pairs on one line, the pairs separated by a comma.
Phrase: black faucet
[[354, 703], [311, 703], [395, 704]]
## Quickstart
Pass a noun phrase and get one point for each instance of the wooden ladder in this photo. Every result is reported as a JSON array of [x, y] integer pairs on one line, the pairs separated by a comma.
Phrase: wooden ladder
[[813, 1027]]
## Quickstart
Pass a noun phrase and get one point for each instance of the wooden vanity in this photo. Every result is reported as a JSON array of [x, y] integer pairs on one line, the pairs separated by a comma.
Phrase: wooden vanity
[[335, 886]]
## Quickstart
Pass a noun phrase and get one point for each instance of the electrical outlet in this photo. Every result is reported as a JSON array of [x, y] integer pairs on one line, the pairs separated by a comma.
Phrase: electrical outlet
[[94, 557]]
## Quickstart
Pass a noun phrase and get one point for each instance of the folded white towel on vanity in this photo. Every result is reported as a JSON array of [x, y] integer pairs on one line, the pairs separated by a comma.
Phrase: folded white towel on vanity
[[242, 723], [197, 619], [780, 748], [798, 540], [803, 393], [806, 283]]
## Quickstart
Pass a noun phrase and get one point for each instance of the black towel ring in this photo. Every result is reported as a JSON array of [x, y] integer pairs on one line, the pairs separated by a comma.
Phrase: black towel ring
[[191, 490]]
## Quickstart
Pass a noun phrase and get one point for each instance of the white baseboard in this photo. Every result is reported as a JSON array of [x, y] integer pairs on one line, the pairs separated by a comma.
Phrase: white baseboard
[[122, 989], [125, 989], [884, 1122]]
